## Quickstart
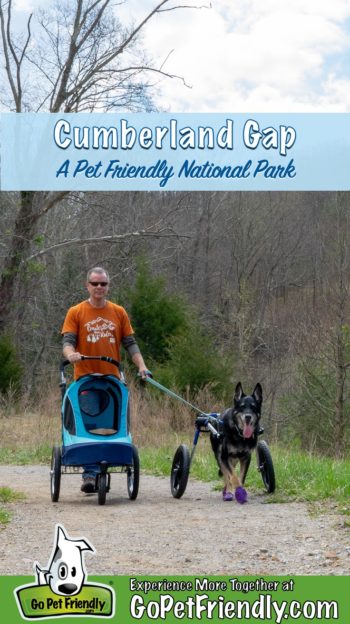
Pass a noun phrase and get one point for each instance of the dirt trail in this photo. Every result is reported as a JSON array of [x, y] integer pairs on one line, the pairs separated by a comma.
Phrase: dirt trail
[[156, 534]]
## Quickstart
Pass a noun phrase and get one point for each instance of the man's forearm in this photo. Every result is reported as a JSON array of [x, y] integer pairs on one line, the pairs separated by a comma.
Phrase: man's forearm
[[68, 349], [69, 345], [139, 361]]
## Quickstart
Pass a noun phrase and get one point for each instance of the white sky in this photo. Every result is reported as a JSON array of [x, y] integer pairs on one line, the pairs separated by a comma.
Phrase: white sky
[[248, 55]]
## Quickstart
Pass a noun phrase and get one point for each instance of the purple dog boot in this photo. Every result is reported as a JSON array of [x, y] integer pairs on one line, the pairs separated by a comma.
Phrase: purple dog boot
[[227, 496], [241, 495]]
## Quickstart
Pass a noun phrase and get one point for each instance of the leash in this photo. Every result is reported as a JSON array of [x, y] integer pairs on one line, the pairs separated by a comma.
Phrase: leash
[[204, 419], [156, 384]]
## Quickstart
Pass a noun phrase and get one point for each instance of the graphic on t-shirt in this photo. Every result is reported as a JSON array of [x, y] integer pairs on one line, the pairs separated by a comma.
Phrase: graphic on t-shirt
[[100, 328]]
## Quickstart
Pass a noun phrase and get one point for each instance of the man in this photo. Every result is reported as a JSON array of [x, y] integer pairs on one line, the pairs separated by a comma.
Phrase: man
[[97, 326]]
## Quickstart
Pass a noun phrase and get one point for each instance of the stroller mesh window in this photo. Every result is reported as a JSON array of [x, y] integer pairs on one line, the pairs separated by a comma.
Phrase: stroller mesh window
[[99, 408], [68, 418], [93, 402]]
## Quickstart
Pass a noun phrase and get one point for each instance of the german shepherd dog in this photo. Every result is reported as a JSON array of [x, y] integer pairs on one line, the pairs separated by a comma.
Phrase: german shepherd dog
[[239, 428]]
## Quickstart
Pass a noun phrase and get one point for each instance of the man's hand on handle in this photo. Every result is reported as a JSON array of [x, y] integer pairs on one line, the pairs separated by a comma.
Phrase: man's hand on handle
[[71, 355], [74, 357]]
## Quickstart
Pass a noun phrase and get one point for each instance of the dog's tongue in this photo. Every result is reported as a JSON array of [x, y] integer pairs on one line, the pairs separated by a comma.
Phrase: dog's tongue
[[248, 431]]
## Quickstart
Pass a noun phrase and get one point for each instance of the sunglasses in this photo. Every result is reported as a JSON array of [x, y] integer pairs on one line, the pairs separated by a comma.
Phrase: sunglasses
[[98, 283]]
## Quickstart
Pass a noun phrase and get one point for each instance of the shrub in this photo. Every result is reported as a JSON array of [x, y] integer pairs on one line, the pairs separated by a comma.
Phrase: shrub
[[309, 410], [10, 368], [173, 341], [157, 315], [194, 362]]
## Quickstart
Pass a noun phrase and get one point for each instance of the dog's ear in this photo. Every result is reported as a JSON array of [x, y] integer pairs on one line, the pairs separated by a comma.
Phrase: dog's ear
[[258, 394], [238, 393]]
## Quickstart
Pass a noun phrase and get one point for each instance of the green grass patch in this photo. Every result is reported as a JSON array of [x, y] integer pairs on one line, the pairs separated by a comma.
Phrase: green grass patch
[[5, 516], [25, 456], [307, 477], [8, 496], [299, 476]]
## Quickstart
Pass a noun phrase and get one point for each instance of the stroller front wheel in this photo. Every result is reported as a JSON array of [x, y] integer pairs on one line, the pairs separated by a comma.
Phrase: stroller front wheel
[[133, 475], [55, 473], [102, 488]]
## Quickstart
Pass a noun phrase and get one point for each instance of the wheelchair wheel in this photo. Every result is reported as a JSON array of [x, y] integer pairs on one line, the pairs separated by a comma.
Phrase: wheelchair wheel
[[55, 473], [133, 475], [180, 470], [265, 466], [102, 488]]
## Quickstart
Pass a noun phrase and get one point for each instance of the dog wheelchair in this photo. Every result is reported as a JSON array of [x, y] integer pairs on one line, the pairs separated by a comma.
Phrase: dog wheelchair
[[210, 423], [95, 432]]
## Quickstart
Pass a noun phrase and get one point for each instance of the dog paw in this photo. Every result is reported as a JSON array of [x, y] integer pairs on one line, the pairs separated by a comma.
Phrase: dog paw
[[227, 496], [241, 495]]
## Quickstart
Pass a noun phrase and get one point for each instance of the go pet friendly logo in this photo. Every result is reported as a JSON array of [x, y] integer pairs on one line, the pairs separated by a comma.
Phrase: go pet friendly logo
[[60, 589]]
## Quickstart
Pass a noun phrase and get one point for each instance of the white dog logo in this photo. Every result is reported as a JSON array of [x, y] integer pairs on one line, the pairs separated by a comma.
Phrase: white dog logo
[[66, 572]]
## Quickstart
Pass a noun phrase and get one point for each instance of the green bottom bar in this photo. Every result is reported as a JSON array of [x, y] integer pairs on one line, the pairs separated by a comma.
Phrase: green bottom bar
[[187, 599]]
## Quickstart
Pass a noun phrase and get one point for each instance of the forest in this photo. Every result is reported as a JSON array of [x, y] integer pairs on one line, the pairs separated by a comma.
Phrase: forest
[[220, 287]]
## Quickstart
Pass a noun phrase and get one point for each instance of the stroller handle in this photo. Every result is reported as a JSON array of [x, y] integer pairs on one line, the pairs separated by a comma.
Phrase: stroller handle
[[103, 358]]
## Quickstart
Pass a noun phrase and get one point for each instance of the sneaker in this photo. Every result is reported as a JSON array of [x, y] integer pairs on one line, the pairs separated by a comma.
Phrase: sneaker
[[88, 485]]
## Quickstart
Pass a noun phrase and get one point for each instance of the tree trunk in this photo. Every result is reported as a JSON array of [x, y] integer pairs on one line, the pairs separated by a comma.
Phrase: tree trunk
[[18, 250]]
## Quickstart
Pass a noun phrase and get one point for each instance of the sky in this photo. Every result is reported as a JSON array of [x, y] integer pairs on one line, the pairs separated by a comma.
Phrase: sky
[[247, 55]]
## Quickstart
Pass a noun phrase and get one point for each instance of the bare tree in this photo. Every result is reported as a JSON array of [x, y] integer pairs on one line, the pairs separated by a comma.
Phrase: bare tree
[[87, 61]]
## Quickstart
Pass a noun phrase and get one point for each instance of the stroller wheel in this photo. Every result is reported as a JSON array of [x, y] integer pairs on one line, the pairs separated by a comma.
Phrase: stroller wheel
[[102, 488], [55, 473], [133, 475], [265, 466], [180, 470]]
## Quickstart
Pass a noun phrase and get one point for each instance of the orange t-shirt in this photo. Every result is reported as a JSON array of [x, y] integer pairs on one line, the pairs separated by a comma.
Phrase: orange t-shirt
[[99, 331]]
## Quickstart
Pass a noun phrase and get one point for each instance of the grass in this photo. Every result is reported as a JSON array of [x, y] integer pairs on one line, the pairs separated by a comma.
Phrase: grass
[[8, 496], [24, 456], [5, 516], [159, 427], [299, 476]]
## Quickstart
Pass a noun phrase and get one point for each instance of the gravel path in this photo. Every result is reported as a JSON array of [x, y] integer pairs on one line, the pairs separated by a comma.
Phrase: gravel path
[[158, 535]]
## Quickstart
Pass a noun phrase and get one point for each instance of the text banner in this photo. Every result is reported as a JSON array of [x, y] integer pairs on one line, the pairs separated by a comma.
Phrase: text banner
[[175, 152]]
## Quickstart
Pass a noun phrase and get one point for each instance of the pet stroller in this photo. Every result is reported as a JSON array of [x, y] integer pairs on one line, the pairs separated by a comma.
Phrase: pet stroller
[[95, 432]]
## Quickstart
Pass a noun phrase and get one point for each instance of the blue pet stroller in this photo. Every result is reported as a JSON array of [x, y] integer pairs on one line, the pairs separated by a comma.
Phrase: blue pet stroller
[[95, 432]]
